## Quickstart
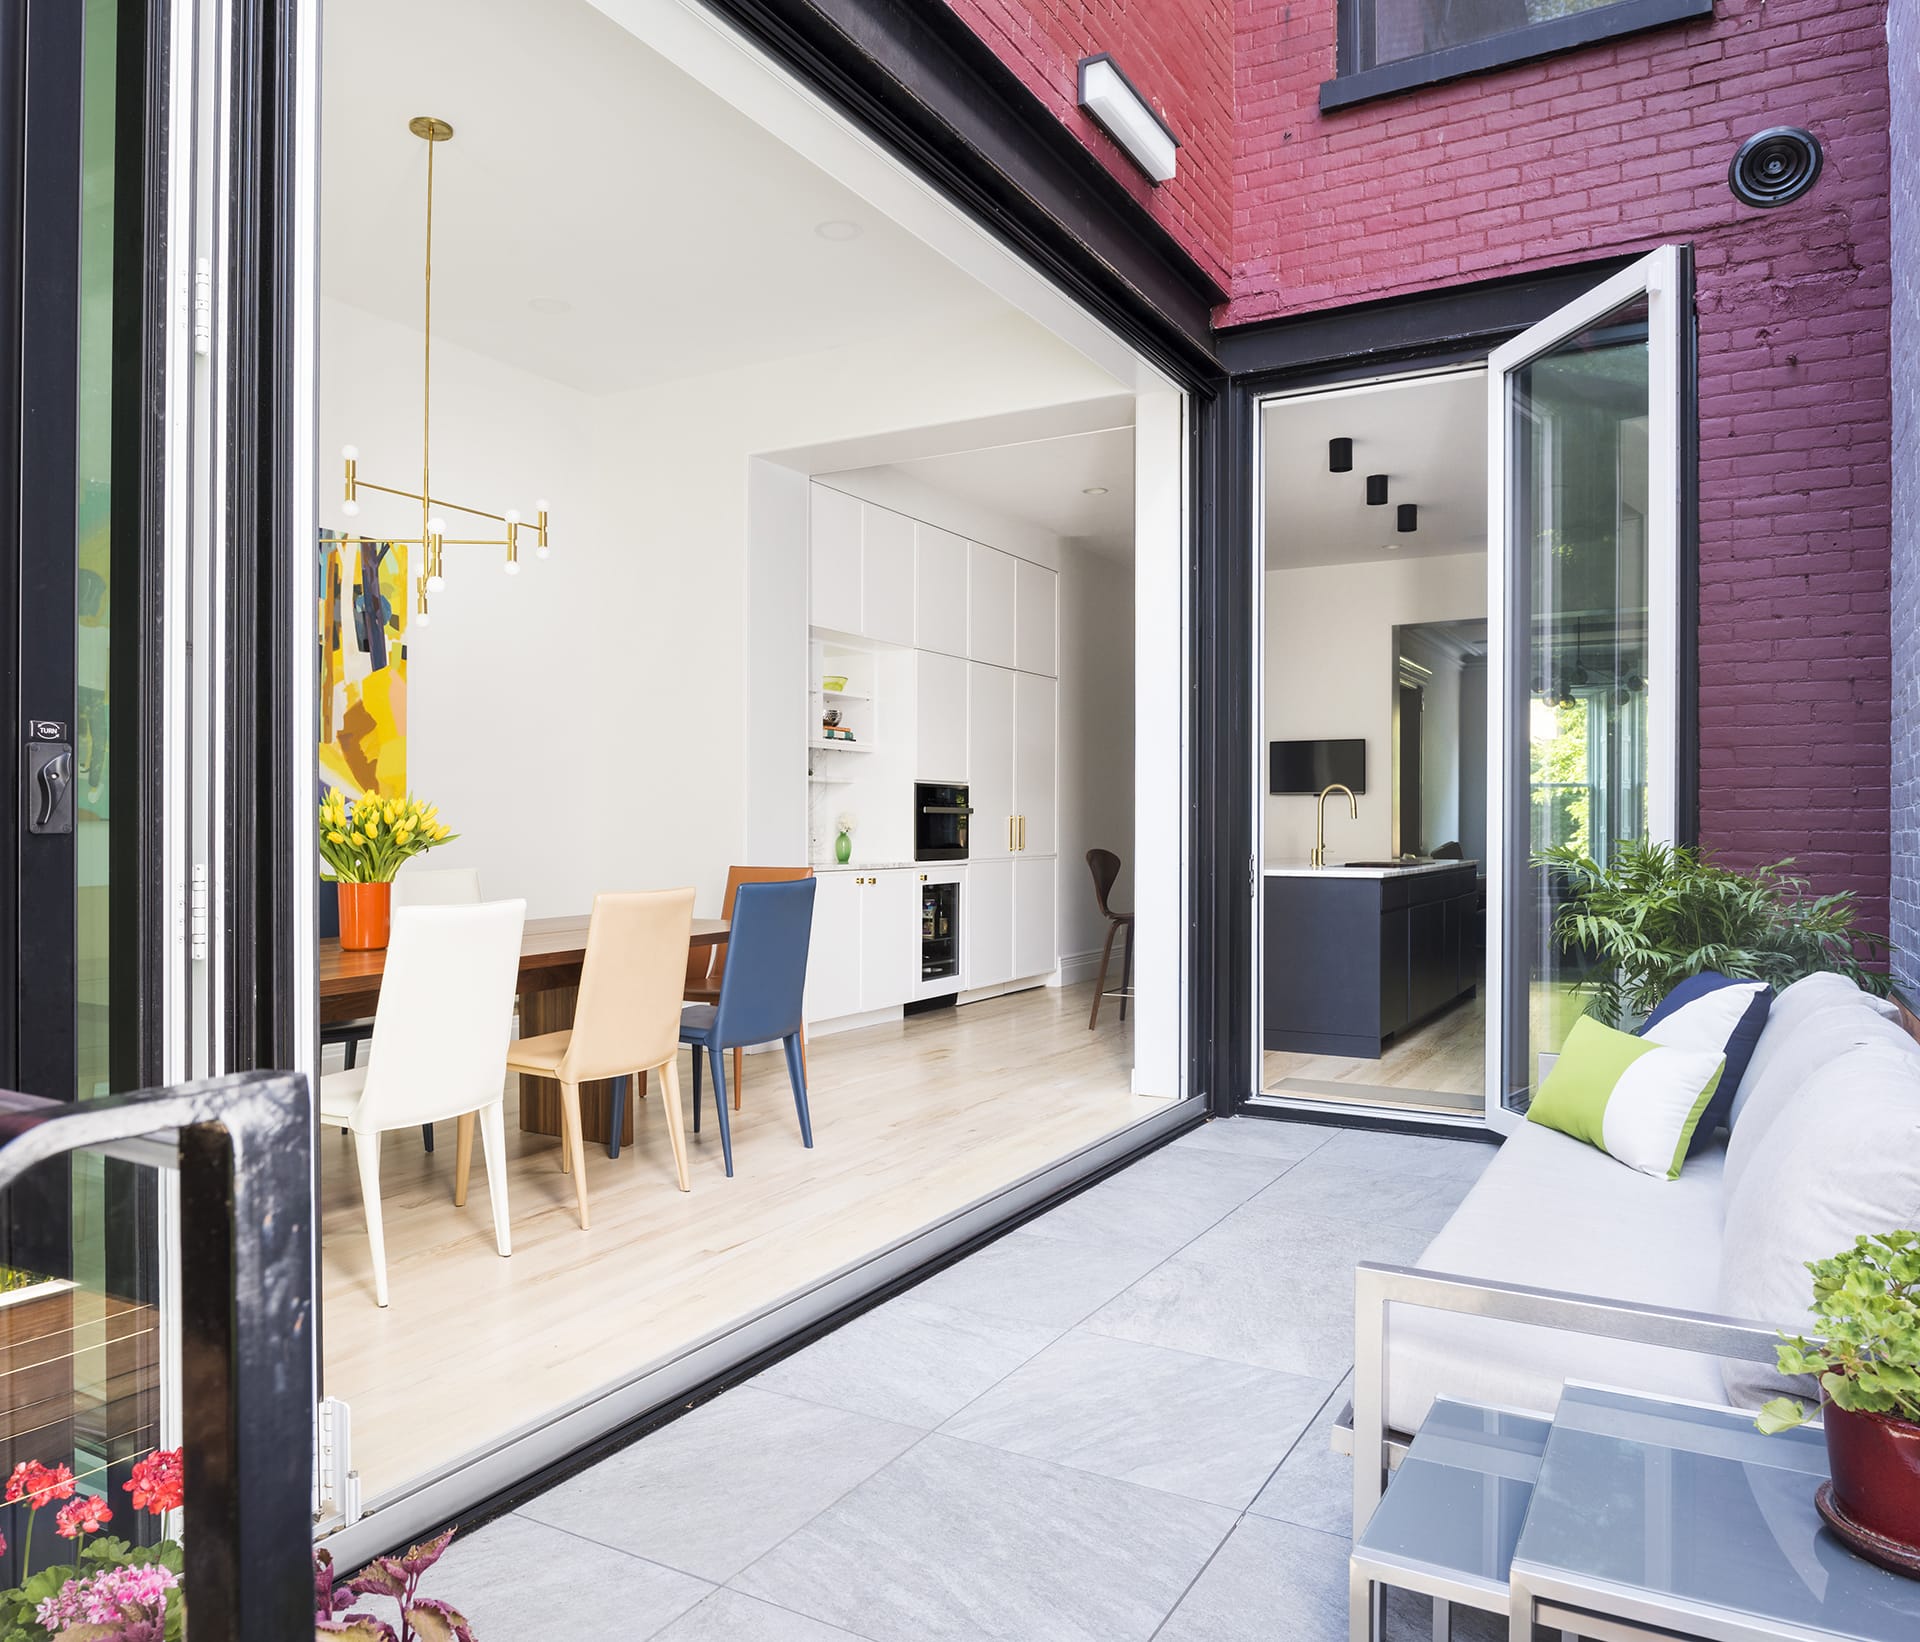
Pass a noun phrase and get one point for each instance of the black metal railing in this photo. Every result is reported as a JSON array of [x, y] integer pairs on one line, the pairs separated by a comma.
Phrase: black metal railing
[[244, 1151]]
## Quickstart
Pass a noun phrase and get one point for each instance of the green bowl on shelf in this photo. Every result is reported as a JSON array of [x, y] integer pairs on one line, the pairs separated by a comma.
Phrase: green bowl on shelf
[[834, 682]]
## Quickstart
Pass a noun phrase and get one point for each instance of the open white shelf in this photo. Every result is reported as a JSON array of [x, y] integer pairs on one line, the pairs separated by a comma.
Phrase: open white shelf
[[841, 695], [840, 746]]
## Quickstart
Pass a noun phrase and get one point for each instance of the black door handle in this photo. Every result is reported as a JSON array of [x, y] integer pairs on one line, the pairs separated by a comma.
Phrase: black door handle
[[49, 796]]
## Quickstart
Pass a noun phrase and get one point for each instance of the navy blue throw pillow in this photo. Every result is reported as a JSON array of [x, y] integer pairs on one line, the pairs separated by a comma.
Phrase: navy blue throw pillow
[[1706, 1023]]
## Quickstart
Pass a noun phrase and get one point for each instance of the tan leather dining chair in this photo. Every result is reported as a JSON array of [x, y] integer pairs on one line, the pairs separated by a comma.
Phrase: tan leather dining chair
[[626, 1021], [707, 966]]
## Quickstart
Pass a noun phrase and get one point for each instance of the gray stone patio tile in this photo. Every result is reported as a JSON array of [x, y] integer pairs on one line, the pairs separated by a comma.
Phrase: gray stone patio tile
[[733, 1616], [910, 1361], [1257, 1137], [1219, 1179], [716, 1488], [1121, 1210], [1408, 1154], [1269, 1580], [958, 1542], [1027, 1277], [1314, 1486], [1339, 1191], [1197, 1426], [518, 1580]]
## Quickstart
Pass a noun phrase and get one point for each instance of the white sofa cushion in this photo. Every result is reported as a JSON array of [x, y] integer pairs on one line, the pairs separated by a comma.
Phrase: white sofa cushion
[[1820, 1037], [1554, 1213], [1805, 997], [1842, 1159]]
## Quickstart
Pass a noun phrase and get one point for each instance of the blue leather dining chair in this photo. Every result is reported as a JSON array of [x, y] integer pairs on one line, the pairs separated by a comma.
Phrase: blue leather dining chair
[[760, 994]]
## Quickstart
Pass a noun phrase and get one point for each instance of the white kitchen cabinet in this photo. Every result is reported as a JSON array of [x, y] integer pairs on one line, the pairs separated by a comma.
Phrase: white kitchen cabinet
[[990, 744], [1034, 940], [940, 748], [889, 937], [886, 575], [992, 595], [1036, 597], [833, 573], [940, 591], [1035, 765], [986, 924], [833, 955]]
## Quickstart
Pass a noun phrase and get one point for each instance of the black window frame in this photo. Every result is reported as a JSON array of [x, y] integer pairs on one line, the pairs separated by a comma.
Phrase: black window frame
[[1352, 85]]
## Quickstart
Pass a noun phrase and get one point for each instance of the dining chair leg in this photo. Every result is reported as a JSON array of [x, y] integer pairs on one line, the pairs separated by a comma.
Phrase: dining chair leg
[[352, 1049], [639, 1091], [570, 1118], [462, 1160], [696, 1088], [739, 1073], [803, 1049], [493, 1144], [797, 1072], [566, 1148], [426, 1135], [1126, 975], [720, 1104], [670, 1106], [367, 1147], [616, 1115], [1100, 981]]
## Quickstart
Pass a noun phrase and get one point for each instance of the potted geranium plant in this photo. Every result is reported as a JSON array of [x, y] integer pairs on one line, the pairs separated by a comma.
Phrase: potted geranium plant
[[1867, 1302], [366, 842]]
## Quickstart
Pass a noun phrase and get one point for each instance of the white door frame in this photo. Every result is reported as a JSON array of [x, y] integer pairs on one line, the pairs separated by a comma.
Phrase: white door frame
[[1659, 277]]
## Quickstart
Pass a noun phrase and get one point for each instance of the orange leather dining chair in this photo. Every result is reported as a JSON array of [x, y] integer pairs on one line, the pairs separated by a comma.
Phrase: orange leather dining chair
[[704, 987]]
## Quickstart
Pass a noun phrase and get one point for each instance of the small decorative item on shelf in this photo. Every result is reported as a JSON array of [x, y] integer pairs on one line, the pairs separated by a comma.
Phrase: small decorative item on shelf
[[1866, 1301], [834, 683], [843, 845], [365, 843]]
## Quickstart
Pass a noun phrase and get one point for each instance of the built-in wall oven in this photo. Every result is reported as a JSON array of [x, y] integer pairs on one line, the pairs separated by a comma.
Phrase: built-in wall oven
[[940, 814]]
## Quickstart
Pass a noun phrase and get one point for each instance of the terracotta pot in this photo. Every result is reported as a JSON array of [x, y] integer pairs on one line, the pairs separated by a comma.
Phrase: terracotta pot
[[1875, 1460], [366, 914]]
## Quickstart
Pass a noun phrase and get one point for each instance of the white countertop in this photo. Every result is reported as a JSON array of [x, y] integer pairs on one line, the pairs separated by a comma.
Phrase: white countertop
[[878, 866], [1300, 869]]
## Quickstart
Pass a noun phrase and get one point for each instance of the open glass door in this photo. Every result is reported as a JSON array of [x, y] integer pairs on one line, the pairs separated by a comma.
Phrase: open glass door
[[1583, 600]]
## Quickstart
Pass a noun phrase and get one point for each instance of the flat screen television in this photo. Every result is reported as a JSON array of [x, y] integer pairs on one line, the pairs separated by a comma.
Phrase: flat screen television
[[1313, 766]]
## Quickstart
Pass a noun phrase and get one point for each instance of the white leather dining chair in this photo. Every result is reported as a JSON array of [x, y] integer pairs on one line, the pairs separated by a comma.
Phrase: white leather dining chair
[[439, 1049]]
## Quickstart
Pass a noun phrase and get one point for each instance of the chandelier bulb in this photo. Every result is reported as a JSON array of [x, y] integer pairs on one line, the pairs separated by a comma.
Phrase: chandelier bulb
[[436, 527], [543, 551], [423, 620], [350, 453], [351, 509], [540, 506], [512, 517], [435, 582], [511, 567]]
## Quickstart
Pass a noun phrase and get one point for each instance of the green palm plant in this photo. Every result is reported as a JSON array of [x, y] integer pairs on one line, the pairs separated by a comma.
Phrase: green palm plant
[[1658, 913]]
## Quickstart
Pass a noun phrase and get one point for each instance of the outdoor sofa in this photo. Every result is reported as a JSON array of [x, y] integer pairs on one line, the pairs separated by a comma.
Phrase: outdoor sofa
[[1563, 1264]]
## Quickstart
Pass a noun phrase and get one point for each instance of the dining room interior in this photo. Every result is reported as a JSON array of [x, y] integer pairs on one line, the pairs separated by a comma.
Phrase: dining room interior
[[748, 631]]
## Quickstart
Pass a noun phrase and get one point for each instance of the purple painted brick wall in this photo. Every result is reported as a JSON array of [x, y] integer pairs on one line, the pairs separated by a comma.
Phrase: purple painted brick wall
[[1903, 70]]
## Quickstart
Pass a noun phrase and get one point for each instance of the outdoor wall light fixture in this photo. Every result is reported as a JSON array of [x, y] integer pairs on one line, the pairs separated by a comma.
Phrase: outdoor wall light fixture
[[433, 539], [1409, 520], [1127, 117], [1376, 490], [1339, 456]]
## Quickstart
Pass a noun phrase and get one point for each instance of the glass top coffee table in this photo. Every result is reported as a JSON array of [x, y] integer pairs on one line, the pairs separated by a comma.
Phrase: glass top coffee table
[[1640, 1518]]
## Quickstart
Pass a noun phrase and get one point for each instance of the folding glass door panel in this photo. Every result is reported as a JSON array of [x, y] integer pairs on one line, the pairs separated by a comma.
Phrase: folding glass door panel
[[1583, 596]]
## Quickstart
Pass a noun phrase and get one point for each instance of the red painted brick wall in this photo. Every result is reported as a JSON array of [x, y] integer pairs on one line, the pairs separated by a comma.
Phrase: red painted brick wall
[[1616, 148], [1179, 56]]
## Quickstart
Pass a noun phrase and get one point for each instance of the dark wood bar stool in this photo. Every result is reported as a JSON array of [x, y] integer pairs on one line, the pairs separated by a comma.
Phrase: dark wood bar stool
[[1105, 867]]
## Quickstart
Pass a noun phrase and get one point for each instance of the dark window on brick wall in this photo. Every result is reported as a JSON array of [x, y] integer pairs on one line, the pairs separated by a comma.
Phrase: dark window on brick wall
[[1394, 45]]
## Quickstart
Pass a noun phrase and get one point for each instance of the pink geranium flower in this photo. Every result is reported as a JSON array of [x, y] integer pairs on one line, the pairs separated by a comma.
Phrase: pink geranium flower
[[85, 1515], [38, 1484]]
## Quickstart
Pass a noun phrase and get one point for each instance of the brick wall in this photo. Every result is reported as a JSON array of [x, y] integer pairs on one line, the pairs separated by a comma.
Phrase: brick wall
[[1904, 72], [1179, 56]]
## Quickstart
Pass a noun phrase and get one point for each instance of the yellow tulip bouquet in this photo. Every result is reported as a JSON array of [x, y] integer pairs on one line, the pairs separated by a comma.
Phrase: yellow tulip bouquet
[[366, 841]]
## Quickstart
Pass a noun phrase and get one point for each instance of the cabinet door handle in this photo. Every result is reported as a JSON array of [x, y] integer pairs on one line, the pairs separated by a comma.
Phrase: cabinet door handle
[[1023, 833], [923, 877]]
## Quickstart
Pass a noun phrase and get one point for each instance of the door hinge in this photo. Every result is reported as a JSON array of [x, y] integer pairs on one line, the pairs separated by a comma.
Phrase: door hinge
[[197, 909], [336, 1485], [202, 306]]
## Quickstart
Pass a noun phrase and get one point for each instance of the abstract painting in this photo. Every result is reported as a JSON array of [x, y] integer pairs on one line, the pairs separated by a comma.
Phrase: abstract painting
[[363, 666]]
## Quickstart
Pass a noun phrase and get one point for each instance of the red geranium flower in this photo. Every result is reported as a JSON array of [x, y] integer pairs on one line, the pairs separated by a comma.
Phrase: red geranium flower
[[37, 1484], [157, 1483], [85, 1515]]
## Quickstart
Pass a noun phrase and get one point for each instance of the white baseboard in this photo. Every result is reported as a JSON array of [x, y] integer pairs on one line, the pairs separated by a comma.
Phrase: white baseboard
[[1076, 967], [852, 1023]]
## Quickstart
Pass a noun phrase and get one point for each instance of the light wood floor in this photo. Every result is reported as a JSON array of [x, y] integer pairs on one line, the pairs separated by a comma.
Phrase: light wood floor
[[912, 1121], [1446, 1057]]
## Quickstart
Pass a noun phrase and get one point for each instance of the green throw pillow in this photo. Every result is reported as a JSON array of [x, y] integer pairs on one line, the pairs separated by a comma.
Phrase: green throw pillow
[[1639, 1102]]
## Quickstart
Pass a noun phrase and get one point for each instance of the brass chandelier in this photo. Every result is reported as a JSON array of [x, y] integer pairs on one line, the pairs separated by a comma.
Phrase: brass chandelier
[[433, 541]]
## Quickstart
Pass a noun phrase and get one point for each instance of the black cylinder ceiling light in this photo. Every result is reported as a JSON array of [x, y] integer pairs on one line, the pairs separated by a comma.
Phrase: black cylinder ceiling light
[[1376, 490], [1409, 520], [1339, 456]]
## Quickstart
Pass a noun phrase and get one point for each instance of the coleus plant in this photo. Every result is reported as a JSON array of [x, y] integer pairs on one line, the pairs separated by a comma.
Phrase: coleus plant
[[397, 1578], [1867, 1301]]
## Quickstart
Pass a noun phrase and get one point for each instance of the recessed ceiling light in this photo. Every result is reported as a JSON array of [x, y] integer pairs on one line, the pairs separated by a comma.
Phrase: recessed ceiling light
[[551, 305], [1094, 490], [838, 228]]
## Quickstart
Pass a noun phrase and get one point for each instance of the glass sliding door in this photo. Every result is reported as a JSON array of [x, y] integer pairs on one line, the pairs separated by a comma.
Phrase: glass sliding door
[[1583, 596]]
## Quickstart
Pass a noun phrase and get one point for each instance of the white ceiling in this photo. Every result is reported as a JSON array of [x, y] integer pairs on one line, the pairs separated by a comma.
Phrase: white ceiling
[[1044, 482], [600, 219], [1429, 436]]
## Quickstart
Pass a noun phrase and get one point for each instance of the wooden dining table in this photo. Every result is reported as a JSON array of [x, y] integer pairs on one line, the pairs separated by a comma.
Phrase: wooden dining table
[[551, 953]]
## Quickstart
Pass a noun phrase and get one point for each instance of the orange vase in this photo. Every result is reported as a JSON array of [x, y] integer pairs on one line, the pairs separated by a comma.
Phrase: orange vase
[[366, 914]]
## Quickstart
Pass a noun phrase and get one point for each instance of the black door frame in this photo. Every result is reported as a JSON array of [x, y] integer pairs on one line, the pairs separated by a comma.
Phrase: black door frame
[[1456, 325]]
